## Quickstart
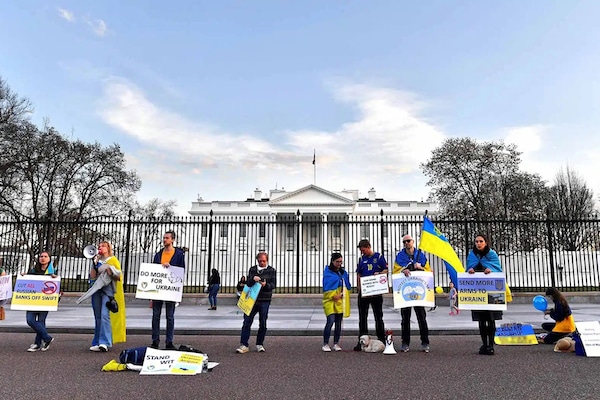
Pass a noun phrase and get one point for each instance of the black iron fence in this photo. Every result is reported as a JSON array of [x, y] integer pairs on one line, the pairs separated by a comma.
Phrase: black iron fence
[[534, 254]]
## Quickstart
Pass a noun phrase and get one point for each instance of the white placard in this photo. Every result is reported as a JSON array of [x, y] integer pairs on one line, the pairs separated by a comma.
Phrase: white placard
[[590, 337], [172, 362], [156, 282], [5, 287], [414, 290], [373, 285]]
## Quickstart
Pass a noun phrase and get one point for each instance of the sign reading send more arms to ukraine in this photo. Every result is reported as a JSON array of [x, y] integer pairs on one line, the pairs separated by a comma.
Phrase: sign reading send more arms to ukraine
[[414, 290], [36, 293], [156, 282], [481, 291], [248, 298]]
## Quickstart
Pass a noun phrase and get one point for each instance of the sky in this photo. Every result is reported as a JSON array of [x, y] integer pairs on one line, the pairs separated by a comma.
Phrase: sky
[[218, 98]]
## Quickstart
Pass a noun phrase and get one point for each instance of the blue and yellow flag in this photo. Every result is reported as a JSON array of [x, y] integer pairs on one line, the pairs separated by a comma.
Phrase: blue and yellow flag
[[432, 241]]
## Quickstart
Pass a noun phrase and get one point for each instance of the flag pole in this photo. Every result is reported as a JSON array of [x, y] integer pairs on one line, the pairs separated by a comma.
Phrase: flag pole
[[314, 167]]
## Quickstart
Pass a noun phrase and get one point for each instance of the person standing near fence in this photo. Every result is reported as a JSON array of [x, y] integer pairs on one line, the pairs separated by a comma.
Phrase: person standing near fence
[[264, 275], [109, 327], [335, 304], [483, 259], [407, 260], [37, 319], [168, 256], [370, 263], [214, 283]]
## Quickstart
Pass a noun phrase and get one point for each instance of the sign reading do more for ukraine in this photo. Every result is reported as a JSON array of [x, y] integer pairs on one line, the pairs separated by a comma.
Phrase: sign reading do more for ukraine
[[36, 293], [481, 291], [158, 283]]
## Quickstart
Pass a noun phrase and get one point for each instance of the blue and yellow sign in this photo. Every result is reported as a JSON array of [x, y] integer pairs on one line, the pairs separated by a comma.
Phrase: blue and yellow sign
[[36, 293]]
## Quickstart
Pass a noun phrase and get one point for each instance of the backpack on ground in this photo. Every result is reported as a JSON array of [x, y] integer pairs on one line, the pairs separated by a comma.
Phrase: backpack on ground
[[133, 356]]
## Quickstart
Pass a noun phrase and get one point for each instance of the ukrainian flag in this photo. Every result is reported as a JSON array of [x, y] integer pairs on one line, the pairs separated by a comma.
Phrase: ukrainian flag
[[432, 241]]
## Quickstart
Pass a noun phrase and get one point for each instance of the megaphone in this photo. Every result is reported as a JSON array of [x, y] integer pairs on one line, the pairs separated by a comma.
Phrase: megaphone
[[90, 251], [389, 343]]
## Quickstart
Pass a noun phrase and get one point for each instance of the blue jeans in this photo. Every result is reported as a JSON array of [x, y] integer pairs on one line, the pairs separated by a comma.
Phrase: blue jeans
[[331, 319], [102, 327], [156, 310], [37, 321], [212, 294], [262, 308]]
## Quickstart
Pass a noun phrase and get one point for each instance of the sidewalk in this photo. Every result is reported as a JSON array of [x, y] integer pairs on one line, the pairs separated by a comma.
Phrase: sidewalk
[[284, 319]]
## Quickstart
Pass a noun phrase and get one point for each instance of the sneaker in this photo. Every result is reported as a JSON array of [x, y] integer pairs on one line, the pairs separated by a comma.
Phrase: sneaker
[[33, 347], [95, 348], [336, 347], [242, 349], [326, 348], [46, 345], [154, 344], [170, 346], [425, 348], [404, 348], [490, 351], [260, 348], [103, 348]]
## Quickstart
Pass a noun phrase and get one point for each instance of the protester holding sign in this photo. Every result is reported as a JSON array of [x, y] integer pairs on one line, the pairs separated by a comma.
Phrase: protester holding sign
[[336, 300], [37, 319], [168, 256], [483, 259], [265, 276], [561, 313], [370, 263], [407, 260], [109, 327]]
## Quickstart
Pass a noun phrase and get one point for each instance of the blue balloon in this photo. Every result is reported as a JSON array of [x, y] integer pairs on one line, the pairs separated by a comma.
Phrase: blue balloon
[[540, 303]]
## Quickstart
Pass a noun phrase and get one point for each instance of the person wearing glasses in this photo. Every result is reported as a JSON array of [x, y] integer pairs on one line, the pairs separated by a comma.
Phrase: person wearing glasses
[[483, 259], [407, 260]]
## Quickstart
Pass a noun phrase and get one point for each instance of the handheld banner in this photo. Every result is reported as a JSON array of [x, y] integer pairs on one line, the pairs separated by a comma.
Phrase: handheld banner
[[172, 362], [590, 337], [414, 290], [515, 334], [248, 298], [481, 291], [36, 293], [156, 282], [373, 285], [5, 287]]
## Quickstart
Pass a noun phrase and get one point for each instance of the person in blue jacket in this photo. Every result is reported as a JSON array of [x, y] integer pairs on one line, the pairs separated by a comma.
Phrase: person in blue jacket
[[482, 259], [168, 256]]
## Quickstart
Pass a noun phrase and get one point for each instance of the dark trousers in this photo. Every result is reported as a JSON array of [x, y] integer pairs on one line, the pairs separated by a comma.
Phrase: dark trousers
[[156, 310], [487, 328], [376, 303], [421, 319], [262, 308], [552, 337]]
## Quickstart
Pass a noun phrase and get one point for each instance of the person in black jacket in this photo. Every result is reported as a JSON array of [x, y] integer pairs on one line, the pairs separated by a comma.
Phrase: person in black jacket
[[214, 283], [264, 275]]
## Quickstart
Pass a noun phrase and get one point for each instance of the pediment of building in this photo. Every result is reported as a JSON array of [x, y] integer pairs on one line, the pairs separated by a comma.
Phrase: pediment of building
[[311, 195]]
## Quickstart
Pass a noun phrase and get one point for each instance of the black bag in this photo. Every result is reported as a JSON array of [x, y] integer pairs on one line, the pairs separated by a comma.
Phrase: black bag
[[112, 305]]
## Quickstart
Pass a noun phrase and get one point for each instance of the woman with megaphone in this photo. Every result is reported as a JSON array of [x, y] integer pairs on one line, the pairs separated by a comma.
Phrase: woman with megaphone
[[109, 326]]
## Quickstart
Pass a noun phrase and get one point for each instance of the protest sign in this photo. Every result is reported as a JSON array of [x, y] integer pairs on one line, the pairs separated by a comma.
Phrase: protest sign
[[5, 287], [172, 362], [481, 291], [373, 285], [589, 332], [414, 290], [156, 282], [36, 293], [248, 298], [515, 334]]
